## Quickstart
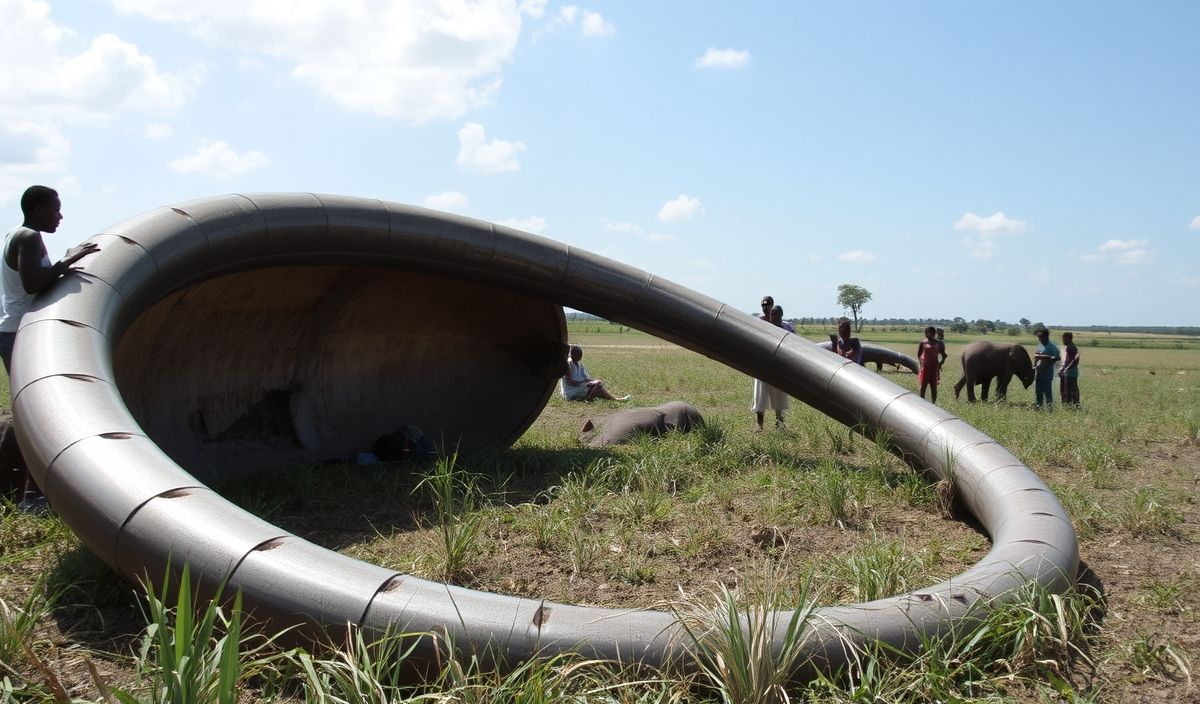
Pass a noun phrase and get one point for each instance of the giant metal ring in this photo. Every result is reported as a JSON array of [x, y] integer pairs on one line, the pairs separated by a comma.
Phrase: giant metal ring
[[230, 332]]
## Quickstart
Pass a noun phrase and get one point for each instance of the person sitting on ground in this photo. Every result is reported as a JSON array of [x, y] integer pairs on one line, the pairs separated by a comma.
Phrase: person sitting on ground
[[622, 427], [577, 385], [407, 442]]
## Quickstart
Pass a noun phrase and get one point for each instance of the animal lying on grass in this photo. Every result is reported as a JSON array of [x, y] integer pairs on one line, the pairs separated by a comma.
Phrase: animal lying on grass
[[623, 426]]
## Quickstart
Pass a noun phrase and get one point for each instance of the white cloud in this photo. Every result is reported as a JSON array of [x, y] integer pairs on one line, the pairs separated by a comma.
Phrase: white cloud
[[157, 130], [1123, 253], [682, 208], [533, 8], [1178, 279], [44, 75], [416, 60], [1041, 276], [995, 224], [980, 249], [216, 159], [534, 223], [622, 226], [594, 26], [110, 76], [1195, 223], [1123, 245], [478, 154], [857, 255], [981, 244], [630, 228], [723, 58], [704, 263], [446, 200], [1136, 257], [30, 153]]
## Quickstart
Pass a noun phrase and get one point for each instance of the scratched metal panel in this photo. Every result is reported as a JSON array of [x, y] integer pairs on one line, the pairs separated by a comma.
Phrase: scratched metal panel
[[78, 299], [192, 526], [98, 482], [451, 241], [172, 237], [479, 622], [529, 261], [50, 347], [293, 582], [53, 413]]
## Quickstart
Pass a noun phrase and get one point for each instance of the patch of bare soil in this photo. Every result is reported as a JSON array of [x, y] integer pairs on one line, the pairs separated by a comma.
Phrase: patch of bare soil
[[670, 560], [1150, 583]]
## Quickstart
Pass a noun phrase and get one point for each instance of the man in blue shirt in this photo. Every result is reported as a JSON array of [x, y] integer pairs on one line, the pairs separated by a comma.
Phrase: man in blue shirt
[[1044, 361]]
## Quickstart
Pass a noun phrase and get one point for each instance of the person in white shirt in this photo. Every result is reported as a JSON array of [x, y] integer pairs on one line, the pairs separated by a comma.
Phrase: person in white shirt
[[577, 385], [26, 272]]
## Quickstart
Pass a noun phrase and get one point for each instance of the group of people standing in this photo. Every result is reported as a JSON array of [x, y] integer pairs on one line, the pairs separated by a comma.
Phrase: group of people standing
[[767, 397], [1045, 358], [578, 385], [931, 357]]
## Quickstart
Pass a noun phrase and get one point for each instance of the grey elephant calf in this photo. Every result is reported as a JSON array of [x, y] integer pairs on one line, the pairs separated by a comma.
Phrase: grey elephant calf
[[622, 426], [983, 361], [880, 356]]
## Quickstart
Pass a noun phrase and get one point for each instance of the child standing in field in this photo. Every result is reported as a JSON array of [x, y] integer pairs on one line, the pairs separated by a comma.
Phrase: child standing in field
[[1068, 373], [931, 354]]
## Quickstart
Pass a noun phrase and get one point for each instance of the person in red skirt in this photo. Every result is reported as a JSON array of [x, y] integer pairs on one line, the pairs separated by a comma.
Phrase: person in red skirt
[[931, 355]]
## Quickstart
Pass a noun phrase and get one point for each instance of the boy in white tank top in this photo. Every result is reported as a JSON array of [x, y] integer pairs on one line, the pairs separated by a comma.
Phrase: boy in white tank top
[[25, 272]]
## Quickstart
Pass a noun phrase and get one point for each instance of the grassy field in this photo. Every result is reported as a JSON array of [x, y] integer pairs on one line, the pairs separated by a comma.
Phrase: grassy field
[[695, 523]]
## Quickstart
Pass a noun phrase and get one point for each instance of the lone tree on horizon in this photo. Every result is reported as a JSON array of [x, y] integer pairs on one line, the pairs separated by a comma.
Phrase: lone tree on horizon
[[854, 298]]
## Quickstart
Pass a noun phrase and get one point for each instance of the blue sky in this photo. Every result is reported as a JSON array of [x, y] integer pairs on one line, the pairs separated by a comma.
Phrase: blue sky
[[983, 160]]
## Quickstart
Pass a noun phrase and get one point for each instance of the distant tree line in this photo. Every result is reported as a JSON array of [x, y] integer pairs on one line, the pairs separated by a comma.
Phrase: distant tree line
[[961, 325], [985, 327]]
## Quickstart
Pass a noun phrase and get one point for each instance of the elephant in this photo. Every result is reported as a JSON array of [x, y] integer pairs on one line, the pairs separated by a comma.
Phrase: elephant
[[880, 356], [621, 427], [983, 361]]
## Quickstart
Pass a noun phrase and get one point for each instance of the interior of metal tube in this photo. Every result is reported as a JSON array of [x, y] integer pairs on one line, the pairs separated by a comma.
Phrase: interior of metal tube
[[272, 366]]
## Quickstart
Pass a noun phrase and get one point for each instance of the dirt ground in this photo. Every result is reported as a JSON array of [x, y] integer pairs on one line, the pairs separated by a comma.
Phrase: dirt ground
[[1131, 571]]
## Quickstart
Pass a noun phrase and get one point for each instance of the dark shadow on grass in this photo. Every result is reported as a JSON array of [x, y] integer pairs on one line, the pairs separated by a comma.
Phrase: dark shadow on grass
[[93, 604], [340, 505], [1089, 584]]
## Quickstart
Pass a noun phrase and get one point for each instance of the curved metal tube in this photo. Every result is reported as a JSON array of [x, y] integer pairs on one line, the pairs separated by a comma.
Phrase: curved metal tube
[[874, 354], [136, 507]]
